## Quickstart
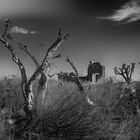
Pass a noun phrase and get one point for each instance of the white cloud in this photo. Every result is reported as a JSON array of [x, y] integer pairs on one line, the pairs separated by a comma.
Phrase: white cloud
[[17, 29], [129, 12]]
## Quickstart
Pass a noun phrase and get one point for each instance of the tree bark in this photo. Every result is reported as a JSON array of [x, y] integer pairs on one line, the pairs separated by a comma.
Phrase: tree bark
[[41, 72]]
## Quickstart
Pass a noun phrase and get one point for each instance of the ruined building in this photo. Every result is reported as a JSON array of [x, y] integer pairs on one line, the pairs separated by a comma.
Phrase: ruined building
[[95, 74], [97, 71]]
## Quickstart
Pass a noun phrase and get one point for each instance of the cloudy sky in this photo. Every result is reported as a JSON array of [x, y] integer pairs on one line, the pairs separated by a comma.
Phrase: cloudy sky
[[100, 30]]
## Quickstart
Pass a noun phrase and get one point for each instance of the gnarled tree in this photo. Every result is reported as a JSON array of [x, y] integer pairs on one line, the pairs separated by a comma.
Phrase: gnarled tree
[[74, 78], [41, 71], [125, 71], [44, 77]]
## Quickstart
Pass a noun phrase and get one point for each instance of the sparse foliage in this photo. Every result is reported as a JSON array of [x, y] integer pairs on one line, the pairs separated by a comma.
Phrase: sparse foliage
[[125, 71]]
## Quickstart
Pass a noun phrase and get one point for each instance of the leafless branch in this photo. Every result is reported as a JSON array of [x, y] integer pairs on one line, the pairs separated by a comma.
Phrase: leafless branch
[[7, 23], [59, 55], [42, 69], [72, 65], [27, 50], [132, 69], [76, 80], [125, 71], [19, 63], [60, 39], [45, 66]]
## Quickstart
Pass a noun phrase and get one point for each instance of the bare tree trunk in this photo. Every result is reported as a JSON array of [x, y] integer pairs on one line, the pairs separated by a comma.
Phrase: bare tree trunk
[[42, 87], [41, 72], [43, 69]]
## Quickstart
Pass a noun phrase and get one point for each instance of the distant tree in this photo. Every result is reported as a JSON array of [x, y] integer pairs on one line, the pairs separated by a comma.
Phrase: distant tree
[[125, 71]]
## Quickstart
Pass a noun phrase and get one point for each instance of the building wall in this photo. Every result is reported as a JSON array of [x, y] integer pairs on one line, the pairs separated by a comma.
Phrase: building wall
[[97, 71]]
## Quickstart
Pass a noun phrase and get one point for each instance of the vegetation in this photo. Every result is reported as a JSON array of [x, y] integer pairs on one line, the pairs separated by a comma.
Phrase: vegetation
[[66, 115], [39, 108], [125, 71]]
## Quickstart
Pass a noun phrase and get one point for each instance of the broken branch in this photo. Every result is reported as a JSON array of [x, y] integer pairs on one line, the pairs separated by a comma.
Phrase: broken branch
[[7, 23], [72, 65], [27, 50]]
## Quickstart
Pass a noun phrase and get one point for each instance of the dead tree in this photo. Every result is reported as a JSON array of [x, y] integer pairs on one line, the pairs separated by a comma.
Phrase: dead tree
[[41, 72], [125, 71], [75, 79], [44, 78]]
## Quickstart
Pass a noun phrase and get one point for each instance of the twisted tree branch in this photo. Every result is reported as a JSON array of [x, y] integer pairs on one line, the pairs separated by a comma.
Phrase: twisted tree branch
[[44, 67], [20, 65], [7, 24], [72, 65], [125, 71], [27, 50]]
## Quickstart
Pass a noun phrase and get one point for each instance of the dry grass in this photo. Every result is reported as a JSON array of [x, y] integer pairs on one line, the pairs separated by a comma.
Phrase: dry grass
[[66, 115]]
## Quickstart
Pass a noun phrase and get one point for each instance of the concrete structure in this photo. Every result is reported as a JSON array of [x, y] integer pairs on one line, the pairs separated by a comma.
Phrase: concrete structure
[[97, 71], [95, 74]]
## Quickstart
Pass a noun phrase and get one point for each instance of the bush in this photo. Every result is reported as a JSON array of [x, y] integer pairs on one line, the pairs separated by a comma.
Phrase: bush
[[66, 115]]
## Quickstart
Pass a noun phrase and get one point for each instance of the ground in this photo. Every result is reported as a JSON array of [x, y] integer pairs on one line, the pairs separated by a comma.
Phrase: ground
[[66, 115]]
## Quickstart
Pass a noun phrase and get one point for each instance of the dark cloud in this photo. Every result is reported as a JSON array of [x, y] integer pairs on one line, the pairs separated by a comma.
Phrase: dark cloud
[[94, 7], [55, 8]]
